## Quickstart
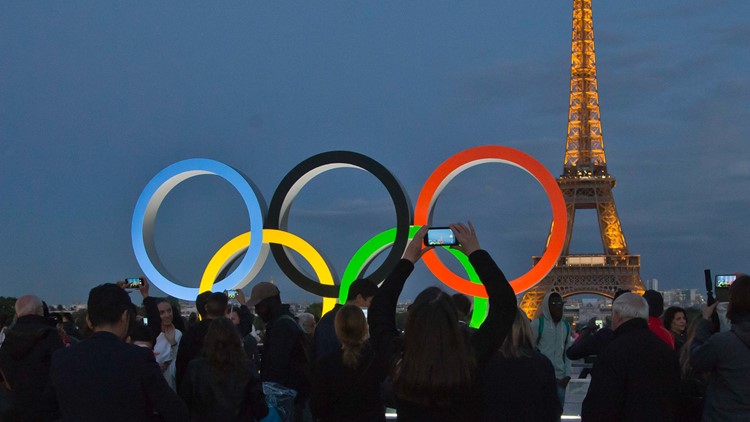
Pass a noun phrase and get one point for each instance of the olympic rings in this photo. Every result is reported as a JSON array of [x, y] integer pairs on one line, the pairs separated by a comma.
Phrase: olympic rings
[[305, 171], [373, 247], [485, 154], [276, 236], [144, 216], [227, 253]]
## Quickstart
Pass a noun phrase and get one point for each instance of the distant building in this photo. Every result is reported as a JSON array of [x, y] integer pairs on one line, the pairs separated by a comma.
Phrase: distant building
[[652, 284], [683, 297]]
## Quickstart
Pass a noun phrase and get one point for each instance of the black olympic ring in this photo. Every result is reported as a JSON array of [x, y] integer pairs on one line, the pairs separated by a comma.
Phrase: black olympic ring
[[299, 176]]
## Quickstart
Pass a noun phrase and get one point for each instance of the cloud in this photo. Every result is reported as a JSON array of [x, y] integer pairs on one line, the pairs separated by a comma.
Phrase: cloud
[[736, 35], [351, 208]]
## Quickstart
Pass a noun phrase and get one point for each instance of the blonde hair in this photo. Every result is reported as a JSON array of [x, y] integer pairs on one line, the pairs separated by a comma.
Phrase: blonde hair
[[352, 332], [520, 340]]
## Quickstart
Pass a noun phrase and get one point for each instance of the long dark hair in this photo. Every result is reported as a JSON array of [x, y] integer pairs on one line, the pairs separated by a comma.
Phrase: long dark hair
[[222, 347], [351, 330], [669, 315], [437, 364]]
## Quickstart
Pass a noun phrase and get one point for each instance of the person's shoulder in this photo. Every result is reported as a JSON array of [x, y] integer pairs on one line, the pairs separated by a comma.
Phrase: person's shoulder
[[329, 361], [329, 317], [286, 321], [137, 352]]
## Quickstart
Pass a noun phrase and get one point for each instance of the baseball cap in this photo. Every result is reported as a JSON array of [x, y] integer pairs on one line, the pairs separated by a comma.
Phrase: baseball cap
[[262, 291]]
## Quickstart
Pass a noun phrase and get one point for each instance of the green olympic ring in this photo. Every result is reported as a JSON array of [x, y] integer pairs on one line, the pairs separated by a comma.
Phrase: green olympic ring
[[380, 242]]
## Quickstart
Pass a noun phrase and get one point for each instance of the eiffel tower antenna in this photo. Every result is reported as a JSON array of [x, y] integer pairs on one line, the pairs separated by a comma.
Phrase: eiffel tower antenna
[[586, 184]]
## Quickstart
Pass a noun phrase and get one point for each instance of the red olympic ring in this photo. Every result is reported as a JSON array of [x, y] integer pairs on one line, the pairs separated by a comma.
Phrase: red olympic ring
[[466, 159]]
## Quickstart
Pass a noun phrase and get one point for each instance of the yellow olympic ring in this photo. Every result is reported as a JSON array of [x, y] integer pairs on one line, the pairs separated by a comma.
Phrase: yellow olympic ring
[[239, 244]]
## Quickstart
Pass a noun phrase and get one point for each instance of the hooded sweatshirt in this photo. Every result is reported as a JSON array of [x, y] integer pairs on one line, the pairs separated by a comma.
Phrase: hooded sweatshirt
[[25, 359], [554, 341], [726, 356]]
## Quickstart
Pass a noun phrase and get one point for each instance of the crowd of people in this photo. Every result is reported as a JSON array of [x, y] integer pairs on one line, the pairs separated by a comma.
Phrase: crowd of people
[[151, 364]]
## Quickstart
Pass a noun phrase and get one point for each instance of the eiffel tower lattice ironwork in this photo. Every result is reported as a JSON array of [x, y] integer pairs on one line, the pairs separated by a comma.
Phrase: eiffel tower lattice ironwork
[[586, 184]]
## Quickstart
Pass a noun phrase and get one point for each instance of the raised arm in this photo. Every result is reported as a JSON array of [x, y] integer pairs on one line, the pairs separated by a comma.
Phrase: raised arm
[[381, 315], [502, 299], [502, 309]]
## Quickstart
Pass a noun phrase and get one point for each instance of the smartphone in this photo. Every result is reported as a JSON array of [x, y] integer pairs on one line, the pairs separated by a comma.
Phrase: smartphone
[[133, 282], [599, 323], [145, 320], [721, 286], [440, 236], [231, 294]]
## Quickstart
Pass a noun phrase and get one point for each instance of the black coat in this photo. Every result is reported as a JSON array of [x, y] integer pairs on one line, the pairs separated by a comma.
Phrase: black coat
[[484, 341], [212, 396], [104, 378], [25, 358], [636, 378], [325, 340], [284, 359], [520, 389], [190, 348], [345, 394]]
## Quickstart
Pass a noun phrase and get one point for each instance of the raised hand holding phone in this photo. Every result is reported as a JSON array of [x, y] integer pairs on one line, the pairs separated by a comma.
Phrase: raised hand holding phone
[[466, 236], [414, 249]]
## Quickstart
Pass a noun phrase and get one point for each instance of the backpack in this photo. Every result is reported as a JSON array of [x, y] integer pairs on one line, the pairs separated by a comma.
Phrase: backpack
[[541, 330], [301, 362]]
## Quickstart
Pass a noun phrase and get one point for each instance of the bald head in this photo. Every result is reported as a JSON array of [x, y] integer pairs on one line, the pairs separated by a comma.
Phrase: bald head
[[29, 305]]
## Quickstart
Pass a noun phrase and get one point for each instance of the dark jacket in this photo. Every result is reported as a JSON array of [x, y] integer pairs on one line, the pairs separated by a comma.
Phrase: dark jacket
[[25, 358], [345, 394], [520, 389], [726, 356], [190, 348], [104, 378], [284, 359], [325, 340], [635, 379], [590, 344], [484, 341], [211, 396]]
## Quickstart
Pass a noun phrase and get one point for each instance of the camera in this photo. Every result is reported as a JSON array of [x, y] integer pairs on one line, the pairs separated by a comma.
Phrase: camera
[[440, 236], [133, 283], [721, 286]]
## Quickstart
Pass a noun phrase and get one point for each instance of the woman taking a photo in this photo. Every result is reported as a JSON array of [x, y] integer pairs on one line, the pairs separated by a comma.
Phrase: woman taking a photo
[[434, 371]]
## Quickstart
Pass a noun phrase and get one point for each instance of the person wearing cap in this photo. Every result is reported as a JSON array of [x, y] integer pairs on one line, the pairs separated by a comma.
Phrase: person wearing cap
[[283, 359]]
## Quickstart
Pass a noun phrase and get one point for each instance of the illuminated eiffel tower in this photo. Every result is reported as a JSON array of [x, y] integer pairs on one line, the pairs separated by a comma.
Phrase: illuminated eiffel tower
[[586, 184]]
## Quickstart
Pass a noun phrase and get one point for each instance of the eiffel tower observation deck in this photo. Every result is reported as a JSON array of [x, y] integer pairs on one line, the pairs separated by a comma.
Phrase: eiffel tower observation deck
[[586, 184]]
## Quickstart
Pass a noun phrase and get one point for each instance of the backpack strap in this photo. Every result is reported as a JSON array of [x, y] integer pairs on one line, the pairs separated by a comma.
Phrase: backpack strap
[[541, 330]]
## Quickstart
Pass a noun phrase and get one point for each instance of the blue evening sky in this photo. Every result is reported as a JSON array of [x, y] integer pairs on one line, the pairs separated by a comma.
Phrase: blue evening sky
[[98, 97]]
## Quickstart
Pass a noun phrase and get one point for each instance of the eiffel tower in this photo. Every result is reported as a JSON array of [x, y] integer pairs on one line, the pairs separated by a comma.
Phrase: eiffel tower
[[586, 184]]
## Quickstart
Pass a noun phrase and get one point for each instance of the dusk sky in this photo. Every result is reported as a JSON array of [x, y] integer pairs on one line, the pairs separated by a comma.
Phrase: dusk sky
[[97, 97]]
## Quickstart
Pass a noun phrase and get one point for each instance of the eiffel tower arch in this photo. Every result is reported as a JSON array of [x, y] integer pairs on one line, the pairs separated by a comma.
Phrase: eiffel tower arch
[[586, 184]]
